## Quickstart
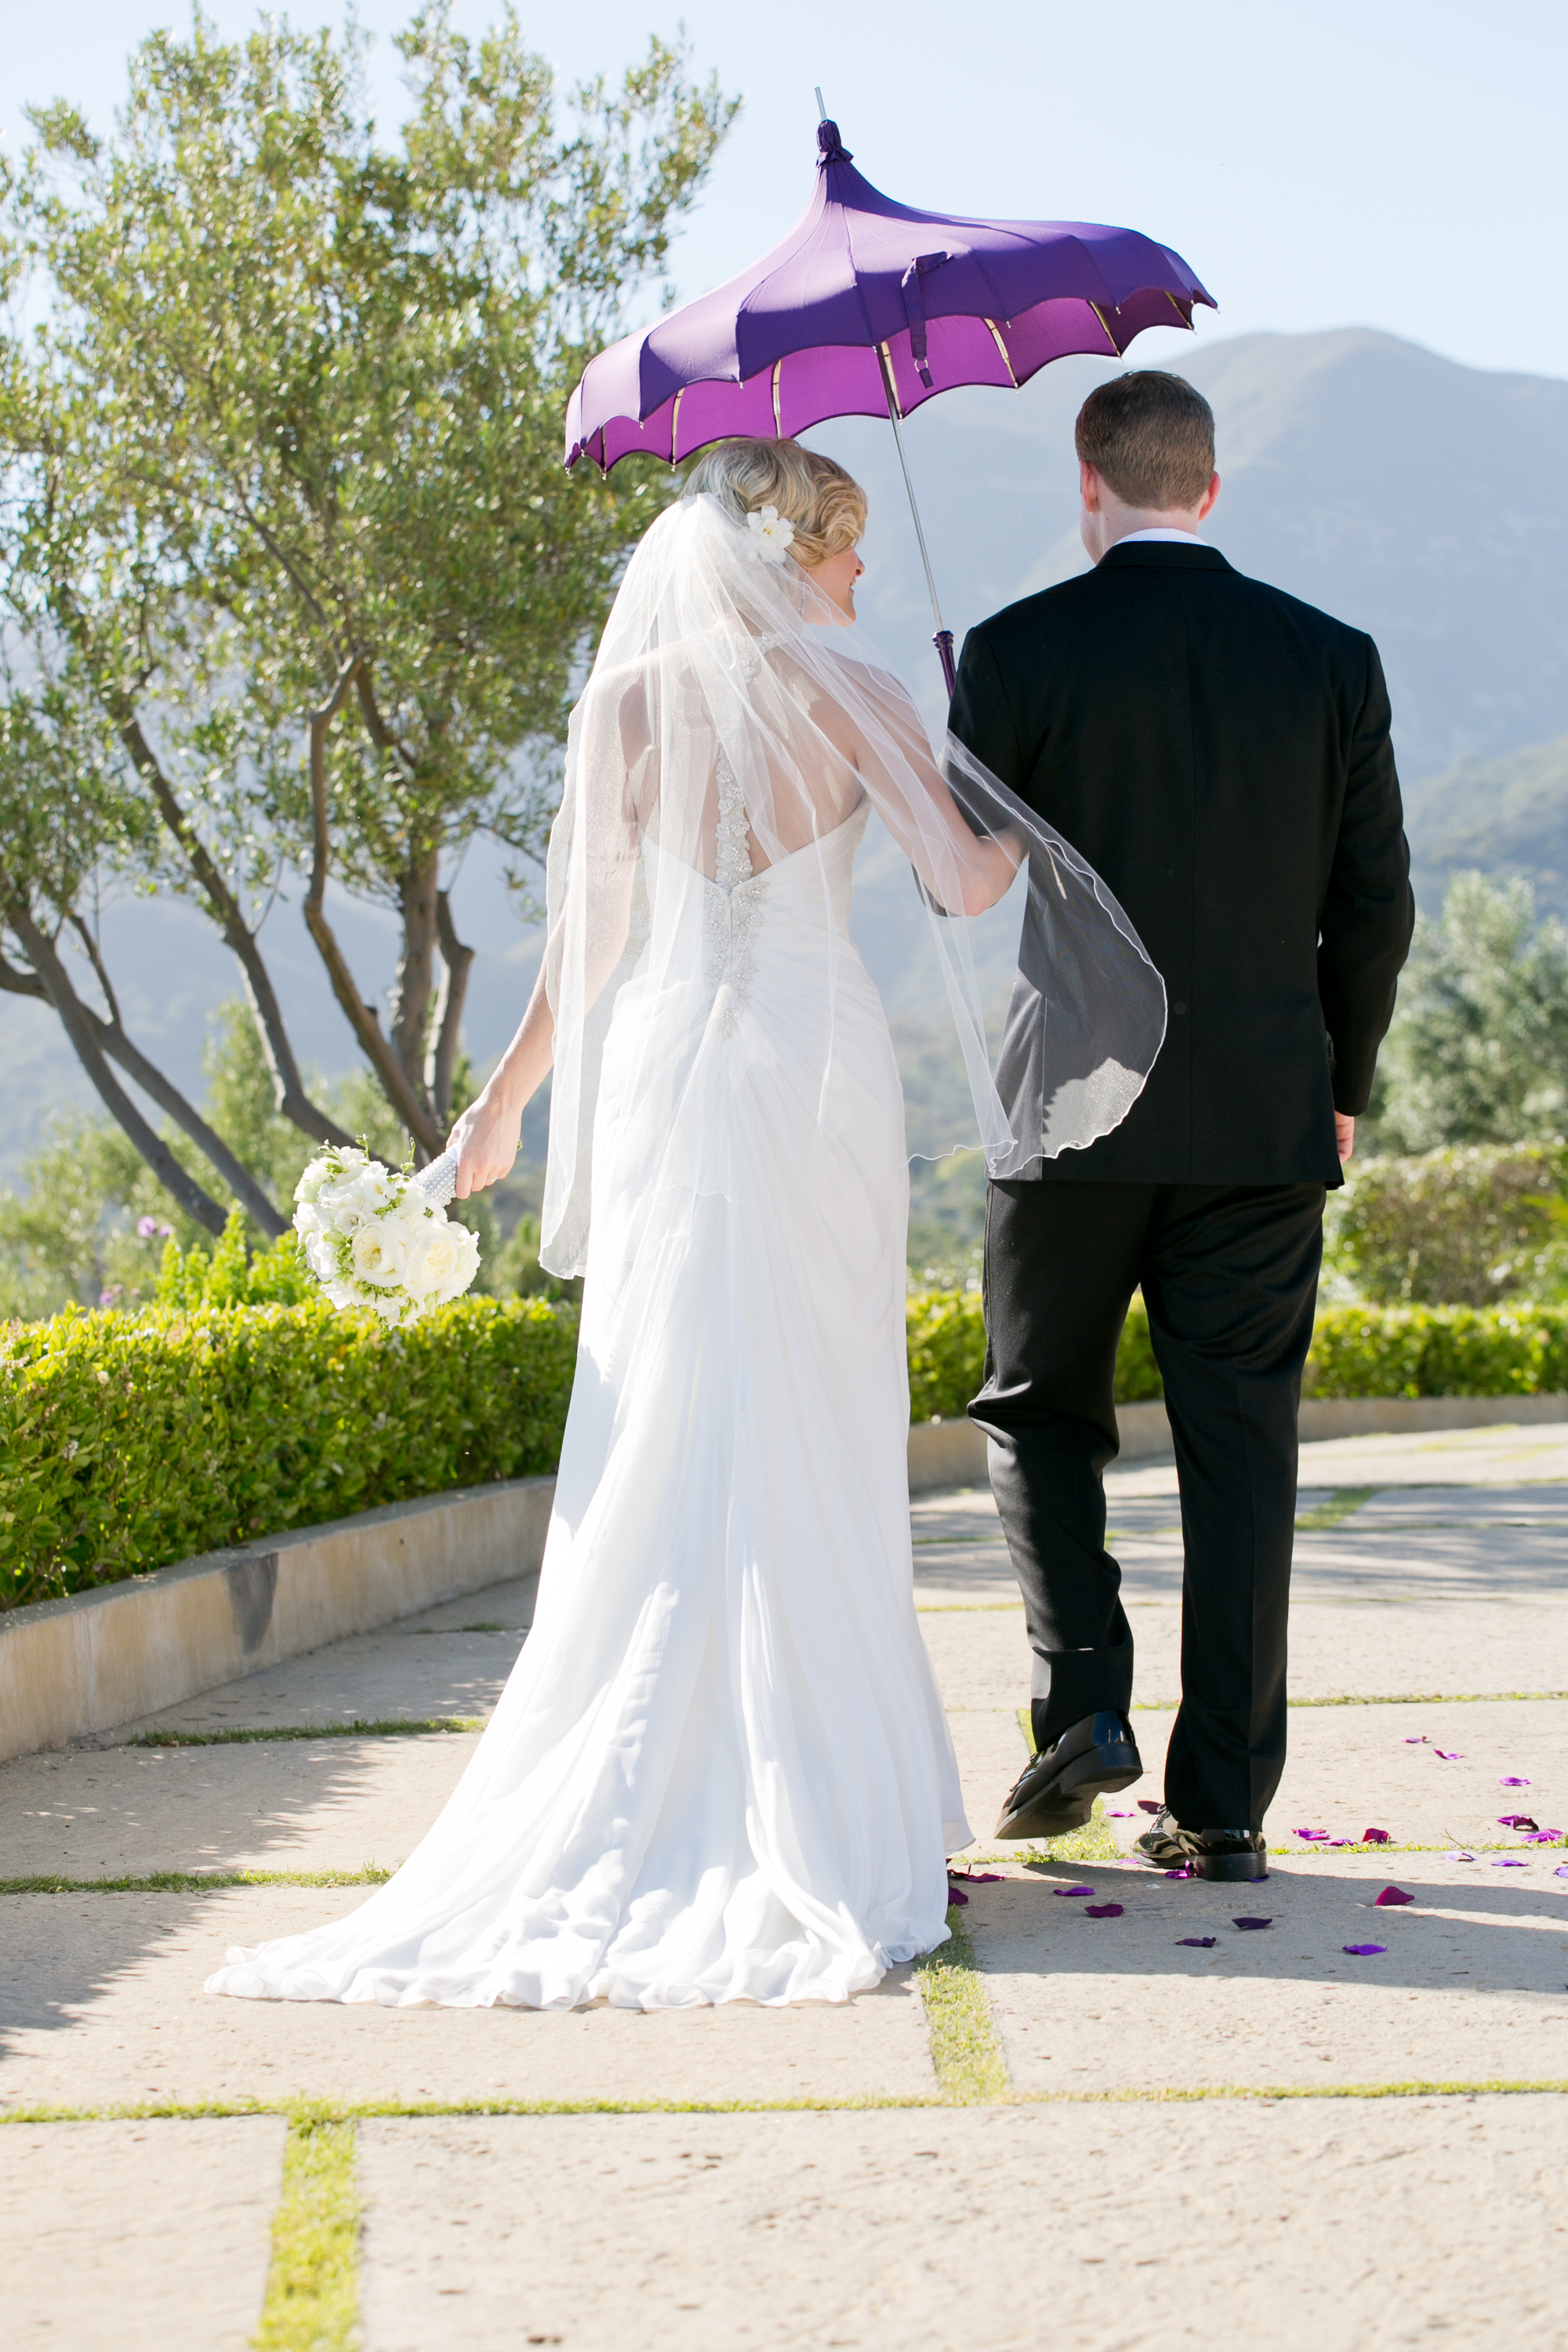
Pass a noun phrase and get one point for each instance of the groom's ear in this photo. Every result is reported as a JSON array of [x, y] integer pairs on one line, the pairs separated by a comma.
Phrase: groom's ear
[[1093, 489], [1205, 505]]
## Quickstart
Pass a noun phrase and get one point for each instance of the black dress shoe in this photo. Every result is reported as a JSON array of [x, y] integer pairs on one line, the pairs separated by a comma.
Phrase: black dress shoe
[[1209, 1854], [1056, 1790]]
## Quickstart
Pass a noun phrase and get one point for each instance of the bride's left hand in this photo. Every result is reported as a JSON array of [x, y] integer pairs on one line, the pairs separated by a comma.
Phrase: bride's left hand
[[487, 1140]]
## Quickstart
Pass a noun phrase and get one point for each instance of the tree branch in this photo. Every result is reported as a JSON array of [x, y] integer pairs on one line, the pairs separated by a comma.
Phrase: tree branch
[[456, 959], [80, 1024], [362, 1017], [287, 1087]]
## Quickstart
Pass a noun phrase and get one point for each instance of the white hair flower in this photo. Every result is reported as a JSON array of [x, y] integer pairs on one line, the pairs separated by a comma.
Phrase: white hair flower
[[773, 532]]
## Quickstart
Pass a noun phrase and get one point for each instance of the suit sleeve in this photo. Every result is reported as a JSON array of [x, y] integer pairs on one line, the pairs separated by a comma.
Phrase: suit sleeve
[[981, 715], [1368, 913]]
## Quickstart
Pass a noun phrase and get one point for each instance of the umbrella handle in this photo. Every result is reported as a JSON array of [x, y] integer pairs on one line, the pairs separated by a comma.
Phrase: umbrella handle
[[942, 641]]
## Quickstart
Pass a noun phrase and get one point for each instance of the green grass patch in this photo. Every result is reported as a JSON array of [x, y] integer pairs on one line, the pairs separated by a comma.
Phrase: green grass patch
[[197, 1882], [966, 2048], [385, 1726], [312, 2287], [1335, 1507]]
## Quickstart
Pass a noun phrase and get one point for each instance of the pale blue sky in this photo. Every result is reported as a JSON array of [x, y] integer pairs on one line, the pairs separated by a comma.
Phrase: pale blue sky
[[1374, 162]]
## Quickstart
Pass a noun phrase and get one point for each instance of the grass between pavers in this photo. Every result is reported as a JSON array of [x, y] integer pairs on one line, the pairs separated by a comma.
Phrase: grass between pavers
[[965, 2047], [313, 2286], [428, 2110], [385, 1726], [1334, 1508], [198, 1881]]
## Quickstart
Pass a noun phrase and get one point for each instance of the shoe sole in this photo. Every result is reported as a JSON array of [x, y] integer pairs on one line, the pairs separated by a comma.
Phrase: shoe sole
[[1229, 1865], [1068, 1802]]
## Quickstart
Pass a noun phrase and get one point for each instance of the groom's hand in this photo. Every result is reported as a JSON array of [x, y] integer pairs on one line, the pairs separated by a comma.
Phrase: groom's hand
[[1344, 1135]]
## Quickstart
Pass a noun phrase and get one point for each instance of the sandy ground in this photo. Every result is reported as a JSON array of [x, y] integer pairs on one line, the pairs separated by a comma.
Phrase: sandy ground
[[1431, 1613]]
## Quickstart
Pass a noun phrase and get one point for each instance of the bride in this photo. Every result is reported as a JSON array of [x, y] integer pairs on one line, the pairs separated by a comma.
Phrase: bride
[[721, 1769]]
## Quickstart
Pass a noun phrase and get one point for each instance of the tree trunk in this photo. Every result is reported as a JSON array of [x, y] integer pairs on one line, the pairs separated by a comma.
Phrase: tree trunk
[[415, 988], [82, 1024], [455, 960]]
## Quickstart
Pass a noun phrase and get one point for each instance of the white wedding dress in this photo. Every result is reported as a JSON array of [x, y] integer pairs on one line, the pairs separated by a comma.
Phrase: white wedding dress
[[721, 1769]]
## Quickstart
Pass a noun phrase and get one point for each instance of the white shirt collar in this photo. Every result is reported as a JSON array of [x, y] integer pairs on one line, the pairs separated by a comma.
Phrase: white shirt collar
[[1167, 537]]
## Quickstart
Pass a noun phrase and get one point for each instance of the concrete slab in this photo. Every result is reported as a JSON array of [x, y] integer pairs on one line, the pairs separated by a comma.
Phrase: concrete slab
[[992, 1751], [153, 2237], [1366, 2225], [1471, 1986], [1367, 1649], [450, 1660], [1352, 1768], [126, 1813], [101, 2003]]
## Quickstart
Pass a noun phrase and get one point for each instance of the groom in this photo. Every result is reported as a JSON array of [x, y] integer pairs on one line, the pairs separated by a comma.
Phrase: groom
[[1220, 753]]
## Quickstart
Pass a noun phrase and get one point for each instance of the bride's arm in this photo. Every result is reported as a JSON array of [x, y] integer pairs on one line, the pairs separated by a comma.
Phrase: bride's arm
[[916, 803]]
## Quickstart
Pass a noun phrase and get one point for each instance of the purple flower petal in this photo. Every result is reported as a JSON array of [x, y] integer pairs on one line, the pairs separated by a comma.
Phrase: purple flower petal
[[1512, 1780], [1255, 1922], [1515, 1822], [1342, 1840], [1312, 1837], [1184, 1871], [1375, 1837], [1149, 1805], [1198, 1943], [1561, 1871], [1392, 1895], [1508, 1861], [1543, 1837], [1120, 1813], [955, 1893], [1072, 1890], [1362, 1952], [1448, 1754], [1456, 1853], [1104, 1910], [974, 1877], [1416, 1739]]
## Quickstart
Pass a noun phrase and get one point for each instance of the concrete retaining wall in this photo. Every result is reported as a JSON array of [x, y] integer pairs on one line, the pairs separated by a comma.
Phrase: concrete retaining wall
[[952, 1452], [71, 1667]]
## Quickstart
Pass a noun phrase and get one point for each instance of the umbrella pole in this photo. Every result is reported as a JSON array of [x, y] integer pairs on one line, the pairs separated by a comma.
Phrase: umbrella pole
[[943, 638]]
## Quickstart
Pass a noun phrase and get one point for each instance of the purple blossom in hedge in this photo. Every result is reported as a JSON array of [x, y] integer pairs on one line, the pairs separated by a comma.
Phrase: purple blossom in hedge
[[1392, 1895], [1255, 1922], [1104, 1910], [1362, 1952], [145, 1228], [1198, 1943], [1072, 1890]]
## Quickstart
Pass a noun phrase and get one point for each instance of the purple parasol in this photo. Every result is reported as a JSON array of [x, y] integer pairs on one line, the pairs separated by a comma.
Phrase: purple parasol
[[867, 308]]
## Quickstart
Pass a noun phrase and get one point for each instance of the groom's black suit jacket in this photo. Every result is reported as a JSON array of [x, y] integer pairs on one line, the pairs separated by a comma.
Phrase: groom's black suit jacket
[[1220, 754]]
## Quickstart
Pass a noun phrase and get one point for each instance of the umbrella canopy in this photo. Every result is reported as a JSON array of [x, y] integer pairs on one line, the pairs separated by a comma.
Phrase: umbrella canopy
[[867, 308]]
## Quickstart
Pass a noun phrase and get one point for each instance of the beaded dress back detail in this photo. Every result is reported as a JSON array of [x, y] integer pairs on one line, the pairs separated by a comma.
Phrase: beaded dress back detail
[[734, 904]]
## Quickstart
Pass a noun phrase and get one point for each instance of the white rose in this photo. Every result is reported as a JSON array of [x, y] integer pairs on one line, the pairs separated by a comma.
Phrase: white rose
[[341, 1294], [431, 1259], [372, 1190], [390, 1309], [319, 1173], [465, 1262], [321, 1257], [378, 1253]]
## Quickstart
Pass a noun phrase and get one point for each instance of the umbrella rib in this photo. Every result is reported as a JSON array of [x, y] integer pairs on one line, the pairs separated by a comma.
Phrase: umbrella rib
[[996, 339]]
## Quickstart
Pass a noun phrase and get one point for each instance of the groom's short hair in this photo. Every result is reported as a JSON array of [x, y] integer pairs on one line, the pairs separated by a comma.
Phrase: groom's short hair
[[1149, 437]]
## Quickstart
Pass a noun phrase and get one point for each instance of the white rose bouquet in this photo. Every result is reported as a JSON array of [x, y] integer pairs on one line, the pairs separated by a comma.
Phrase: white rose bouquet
[[375, 1238]]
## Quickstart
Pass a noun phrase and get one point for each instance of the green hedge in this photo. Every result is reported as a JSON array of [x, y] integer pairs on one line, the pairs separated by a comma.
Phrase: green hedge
[[1413, 1351], [947, 1354], [128, 1442]]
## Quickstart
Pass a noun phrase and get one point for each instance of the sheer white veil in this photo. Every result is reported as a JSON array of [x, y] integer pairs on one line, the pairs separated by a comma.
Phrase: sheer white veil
[[717, 672]]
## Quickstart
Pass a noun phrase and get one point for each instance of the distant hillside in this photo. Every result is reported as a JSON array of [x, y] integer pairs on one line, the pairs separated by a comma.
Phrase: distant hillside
[[1423, 500], [1505, 817]]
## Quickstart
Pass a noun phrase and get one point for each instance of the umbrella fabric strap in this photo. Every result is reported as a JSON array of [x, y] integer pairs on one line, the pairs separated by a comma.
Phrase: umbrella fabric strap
[[915, 310]]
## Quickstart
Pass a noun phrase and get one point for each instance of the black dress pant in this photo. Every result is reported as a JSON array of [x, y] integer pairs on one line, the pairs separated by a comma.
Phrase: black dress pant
[[1229, 1276]]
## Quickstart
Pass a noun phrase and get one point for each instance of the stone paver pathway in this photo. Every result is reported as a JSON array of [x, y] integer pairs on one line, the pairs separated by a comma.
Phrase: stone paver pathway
[[988, 2149]]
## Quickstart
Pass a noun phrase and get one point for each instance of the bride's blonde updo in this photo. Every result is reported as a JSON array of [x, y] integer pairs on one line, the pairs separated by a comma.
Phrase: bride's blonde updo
[[827, 506]]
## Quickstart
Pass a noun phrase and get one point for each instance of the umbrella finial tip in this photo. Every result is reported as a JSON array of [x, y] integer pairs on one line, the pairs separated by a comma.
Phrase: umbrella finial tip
[[830, 147], [821, 109]]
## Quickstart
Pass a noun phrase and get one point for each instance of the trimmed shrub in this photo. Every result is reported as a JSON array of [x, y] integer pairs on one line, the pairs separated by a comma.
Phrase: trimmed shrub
[[1412, 1351], [947, 1354], [128, 1441], [1458, 1228]]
